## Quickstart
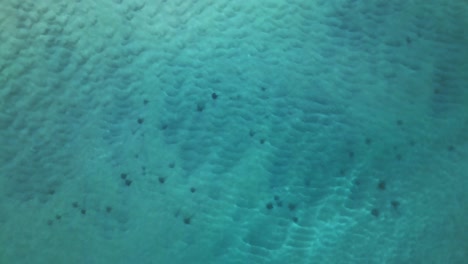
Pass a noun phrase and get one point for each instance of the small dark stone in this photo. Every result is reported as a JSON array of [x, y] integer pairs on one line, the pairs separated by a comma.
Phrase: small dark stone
[[295, 219], [351, 154], [262, 141], [108, 209], [291, 207], [276, 197], [171, 165], [51, 192], [269, 206], [83, 211], [375, 212], [140, 120], [368, 141], [381, 185], [164, 126], [162, 180], [192, 190], [200, 107], [251, 133], [75, 204], [450, 148], [187, 220], [395, 204], [58, 217], [214, 96], [128, 182], [123, 176], [263, 89], [145, 102]]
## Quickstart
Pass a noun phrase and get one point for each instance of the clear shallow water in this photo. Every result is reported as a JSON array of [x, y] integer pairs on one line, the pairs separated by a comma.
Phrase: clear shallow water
[[232, 132]]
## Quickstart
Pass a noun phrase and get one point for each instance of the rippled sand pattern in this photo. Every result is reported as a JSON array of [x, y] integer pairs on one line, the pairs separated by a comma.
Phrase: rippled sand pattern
[[276, 131]]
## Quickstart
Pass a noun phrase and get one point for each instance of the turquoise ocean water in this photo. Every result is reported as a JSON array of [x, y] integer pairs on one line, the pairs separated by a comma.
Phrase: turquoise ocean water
[[260, 131]]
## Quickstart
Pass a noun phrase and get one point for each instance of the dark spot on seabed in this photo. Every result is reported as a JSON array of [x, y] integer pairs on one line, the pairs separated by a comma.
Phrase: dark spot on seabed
[[200, 107], [188, 220], [408, 40], [128, 182], [162, 180], [399, 157], [382, 185], [291, 207], [375, 212], [395, 204]]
